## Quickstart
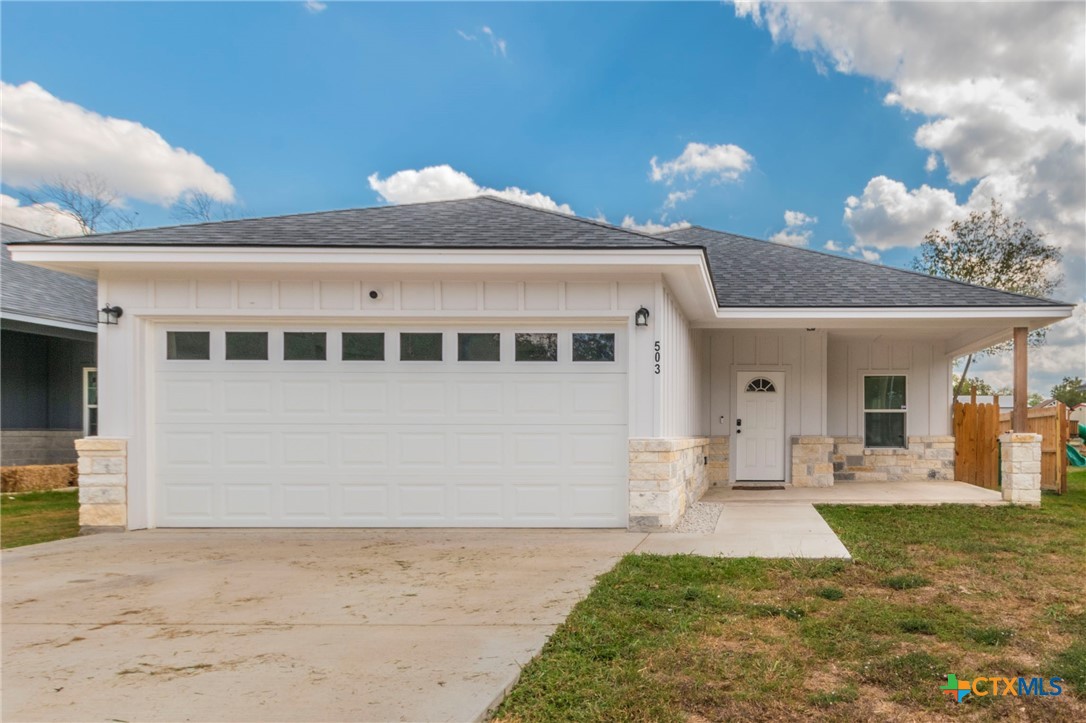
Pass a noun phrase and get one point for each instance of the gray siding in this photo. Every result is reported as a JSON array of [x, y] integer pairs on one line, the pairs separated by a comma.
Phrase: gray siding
[[41, 381]]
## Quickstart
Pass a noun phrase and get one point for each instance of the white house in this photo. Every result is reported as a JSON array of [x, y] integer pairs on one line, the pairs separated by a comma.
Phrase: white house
[[482, 363]]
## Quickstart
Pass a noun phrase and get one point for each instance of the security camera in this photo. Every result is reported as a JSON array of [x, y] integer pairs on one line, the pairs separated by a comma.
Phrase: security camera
[[375, 294]]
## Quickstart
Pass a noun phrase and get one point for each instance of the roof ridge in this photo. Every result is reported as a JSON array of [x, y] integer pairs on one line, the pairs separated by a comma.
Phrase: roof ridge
[[481, 196], [876, 265], [575, 217], [265, 218]]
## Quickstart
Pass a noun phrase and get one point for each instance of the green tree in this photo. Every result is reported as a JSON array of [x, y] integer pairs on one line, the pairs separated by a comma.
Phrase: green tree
[[980, 385], [1035, 399], [1071, 391], [991, 249]]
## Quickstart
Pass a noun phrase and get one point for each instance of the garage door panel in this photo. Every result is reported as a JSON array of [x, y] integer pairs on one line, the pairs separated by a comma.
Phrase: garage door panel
[[389, 443]]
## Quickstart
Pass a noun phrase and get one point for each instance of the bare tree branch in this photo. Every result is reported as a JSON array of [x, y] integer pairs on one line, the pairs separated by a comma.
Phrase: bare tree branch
[[199, 207], [88, 200]]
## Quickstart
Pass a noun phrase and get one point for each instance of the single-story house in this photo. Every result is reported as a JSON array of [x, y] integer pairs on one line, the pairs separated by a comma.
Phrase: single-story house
[[482, 363], [48, 383]]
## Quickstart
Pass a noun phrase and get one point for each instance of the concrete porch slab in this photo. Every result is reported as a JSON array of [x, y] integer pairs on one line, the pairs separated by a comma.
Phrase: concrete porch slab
[[920, 492], [756, 530]]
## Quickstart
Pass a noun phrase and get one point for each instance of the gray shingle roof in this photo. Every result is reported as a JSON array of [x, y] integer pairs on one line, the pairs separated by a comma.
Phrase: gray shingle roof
[[746, 271], [481, 222], [752, 272], [41, 293]]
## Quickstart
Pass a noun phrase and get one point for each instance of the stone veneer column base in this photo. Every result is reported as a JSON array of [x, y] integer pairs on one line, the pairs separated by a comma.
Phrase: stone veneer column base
[[812, 461], [1020, 463], [103, 484], [666, 476]]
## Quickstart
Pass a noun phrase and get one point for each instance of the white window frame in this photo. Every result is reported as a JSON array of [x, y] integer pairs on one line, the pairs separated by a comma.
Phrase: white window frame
[[864, 410], [87, 406]]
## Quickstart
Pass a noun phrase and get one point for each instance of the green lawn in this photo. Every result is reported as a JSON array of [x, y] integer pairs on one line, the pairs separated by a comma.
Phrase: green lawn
[[30, 517], [978, 592]]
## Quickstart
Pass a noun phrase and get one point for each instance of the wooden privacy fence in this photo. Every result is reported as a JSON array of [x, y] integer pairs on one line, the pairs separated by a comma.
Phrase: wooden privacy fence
[[976, 443], [1054, 426]]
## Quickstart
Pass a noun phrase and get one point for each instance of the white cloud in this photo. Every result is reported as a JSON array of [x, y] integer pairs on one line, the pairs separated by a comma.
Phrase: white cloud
[[832, 245], [796, 231], [999, 86], [651, 226], [865, 253], [497, 44], [40, 217], [315, 6], [932, 163], [798, 218], [45, 138], [725, 162], [676, 197], [888, 214], [445, 183]]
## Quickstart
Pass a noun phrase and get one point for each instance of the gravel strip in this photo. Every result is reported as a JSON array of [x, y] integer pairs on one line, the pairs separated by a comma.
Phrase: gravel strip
[[700, 518]]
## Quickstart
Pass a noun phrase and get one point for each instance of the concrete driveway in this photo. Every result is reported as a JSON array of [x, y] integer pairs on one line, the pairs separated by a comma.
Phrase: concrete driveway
[[277, 625]]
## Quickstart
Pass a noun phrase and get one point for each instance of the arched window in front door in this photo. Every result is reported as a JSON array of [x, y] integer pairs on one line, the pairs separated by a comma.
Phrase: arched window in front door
[[760, 384]]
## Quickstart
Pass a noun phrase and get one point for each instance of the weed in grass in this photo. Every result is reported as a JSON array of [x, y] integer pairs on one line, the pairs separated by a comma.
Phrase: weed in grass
[[907, 581], [830, 593], [901, 671], [994, 637], [919, 626], [827, 698], [767, 611]]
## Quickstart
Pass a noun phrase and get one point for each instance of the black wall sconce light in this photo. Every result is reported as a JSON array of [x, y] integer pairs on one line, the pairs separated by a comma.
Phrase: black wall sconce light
[[641, 317], [109, 314]]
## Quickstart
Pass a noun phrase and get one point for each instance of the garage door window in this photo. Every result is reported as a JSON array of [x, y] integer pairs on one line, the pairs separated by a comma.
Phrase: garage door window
[[479, 347], [363, 346], [188, 345], [420, 347], [304, 346], [593, 347], [536, 347], [246, 345]]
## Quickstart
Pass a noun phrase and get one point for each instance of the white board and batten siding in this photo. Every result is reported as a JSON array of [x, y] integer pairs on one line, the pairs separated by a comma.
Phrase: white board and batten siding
[[134, 403], [681, 378], [923, 363]]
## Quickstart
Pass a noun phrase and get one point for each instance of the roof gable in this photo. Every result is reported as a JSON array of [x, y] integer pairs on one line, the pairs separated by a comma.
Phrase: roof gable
[[750, 272]]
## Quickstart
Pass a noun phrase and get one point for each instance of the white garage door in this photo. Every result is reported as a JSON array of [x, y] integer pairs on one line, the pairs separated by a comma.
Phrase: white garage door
[[423, 427]]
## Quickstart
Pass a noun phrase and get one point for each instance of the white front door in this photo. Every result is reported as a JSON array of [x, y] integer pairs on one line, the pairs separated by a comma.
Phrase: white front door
[[759, 426]]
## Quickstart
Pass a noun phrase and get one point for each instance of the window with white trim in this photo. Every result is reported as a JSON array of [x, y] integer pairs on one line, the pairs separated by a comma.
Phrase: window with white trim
[[884, 411], [90, 402]]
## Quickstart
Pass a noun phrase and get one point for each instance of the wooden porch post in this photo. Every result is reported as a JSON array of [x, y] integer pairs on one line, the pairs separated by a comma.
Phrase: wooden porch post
[[1021, 393]]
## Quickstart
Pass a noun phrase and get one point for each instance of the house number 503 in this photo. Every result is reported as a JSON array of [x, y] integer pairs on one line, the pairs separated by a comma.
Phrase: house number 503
[[656, 357]]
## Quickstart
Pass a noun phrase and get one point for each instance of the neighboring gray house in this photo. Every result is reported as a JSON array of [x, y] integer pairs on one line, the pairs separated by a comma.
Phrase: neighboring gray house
[[48, 380]]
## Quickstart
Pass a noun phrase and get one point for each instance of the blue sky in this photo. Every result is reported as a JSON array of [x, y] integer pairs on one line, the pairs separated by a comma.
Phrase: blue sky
[[297, 109]]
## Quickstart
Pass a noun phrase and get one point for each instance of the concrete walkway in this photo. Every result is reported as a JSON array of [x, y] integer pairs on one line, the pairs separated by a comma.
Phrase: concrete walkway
[[933, 492], [784, 523], [756, 530]]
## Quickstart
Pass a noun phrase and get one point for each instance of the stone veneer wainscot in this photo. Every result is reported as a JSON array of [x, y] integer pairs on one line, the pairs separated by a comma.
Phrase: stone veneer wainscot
[[666, 476], [926, 457]]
